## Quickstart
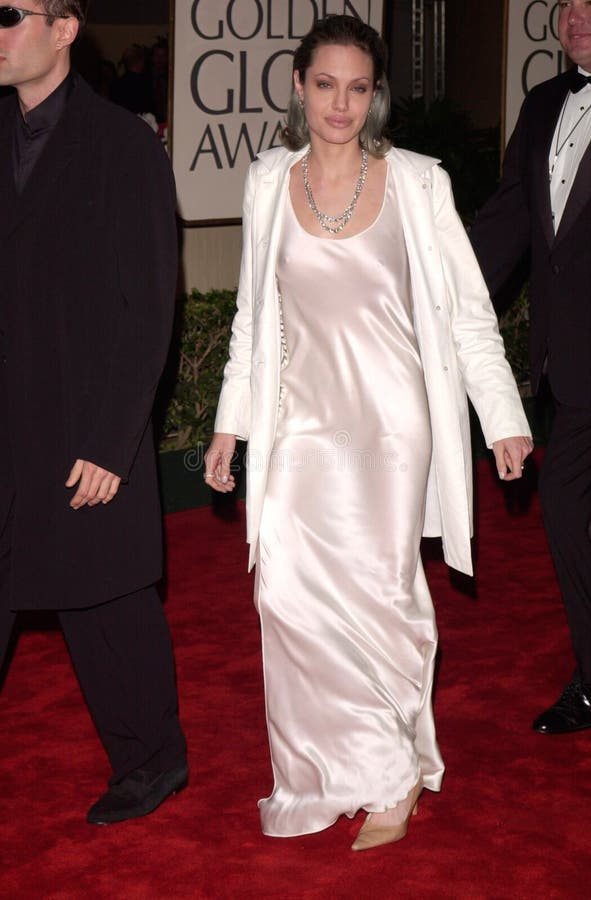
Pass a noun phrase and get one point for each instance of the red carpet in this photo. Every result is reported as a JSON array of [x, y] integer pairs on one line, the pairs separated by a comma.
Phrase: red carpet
[[513, 819]]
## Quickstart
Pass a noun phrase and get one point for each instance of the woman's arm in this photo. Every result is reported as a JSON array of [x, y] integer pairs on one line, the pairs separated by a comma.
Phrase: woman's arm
[[486, 374], [233, 413]]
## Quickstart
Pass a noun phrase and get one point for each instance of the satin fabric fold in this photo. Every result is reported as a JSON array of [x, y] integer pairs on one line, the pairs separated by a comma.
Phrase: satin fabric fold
[[348, 628]]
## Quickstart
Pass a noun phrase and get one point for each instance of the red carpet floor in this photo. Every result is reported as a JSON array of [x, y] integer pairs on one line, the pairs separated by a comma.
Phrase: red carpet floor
[[513, 819]]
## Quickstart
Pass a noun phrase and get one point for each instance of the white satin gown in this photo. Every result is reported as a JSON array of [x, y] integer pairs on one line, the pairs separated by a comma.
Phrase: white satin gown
[[348, 627]]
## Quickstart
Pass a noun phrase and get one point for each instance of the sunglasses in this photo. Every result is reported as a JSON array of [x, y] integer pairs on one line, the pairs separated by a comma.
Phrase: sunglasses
[[13, 15]]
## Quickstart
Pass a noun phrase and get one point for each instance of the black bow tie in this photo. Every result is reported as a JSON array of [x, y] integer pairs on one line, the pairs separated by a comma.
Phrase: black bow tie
[[577, 80]]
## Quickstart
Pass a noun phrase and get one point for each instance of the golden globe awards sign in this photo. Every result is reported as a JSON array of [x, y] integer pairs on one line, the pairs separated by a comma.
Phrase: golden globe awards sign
[[533, 52], [232, 75]]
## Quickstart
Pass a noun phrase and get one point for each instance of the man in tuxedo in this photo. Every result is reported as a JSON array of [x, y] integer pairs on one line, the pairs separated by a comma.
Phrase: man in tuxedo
[[88, 263], [543, 205]]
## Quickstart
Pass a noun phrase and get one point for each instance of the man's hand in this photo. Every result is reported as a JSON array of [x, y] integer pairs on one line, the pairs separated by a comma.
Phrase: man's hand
[[510, 454], [95, 485]]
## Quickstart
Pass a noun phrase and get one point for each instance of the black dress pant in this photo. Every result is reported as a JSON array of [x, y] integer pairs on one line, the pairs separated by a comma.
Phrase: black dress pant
[[122, 655], [565, 494]]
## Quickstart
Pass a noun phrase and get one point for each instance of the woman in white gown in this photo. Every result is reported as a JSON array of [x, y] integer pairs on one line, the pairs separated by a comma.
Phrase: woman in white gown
[[362, 321]]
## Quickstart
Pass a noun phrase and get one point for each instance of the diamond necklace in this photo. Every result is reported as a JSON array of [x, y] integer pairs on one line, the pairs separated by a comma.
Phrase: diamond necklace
[[334, 224]]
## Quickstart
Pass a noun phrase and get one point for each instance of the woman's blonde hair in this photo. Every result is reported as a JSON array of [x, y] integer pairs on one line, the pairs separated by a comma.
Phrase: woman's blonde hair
[[345, 31]]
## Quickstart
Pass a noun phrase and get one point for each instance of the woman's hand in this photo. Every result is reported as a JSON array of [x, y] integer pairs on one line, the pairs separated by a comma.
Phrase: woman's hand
[[218, 459], [510, 454]]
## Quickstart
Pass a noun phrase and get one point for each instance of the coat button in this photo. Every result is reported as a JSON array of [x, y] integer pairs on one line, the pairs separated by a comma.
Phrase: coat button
[[437, 308], [556, 269], [445, 369]]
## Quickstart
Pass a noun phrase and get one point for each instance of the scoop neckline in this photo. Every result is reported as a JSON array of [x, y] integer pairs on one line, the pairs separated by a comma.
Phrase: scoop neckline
[[350, 237]]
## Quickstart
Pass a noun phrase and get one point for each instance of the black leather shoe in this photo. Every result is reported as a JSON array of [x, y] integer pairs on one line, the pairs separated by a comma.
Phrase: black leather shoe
[[138, 794], [571, 712]]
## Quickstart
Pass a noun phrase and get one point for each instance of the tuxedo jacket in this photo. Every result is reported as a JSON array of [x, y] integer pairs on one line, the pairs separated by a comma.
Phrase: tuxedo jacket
[[88, 267], [518, 219]]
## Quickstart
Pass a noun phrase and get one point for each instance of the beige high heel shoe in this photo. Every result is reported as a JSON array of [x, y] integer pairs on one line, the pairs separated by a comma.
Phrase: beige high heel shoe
[[375, 835]]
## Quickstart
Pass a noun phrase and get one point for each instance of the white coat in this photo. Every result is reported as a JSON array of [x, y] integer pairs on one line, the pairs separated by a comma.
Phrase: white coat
[[456, 327]]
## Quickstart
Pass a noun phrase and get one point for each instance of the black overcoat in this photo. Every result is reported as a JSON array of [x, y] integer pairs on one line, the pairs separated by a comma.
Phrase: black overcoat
[[88, 267], [518, 218]]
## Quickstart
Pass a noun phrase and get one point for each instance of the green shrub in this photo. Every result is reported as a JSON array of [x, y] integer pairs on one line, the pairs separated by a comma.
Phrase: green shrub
[[200, 353]]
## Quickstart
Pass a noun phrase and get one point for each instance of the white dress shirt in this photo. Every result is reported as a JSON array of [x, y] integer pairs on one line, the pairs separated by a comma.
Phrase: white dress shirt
[[569, 146]]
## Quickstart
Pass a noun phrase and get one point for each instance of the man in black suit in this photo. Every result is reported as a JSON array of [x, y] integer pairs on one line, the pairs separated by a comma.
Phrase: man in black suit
[[88, 263], [543, 205]]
